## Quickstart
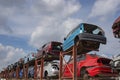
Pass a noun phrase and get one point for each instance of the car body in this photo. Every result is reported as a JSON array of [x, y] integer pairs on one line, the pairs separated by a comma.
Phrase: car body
[[50, 69], [29, 57], [116, 28], [90, 64], [89, 35], [50, 48], [31, 72], [115, 63], [21, 73]]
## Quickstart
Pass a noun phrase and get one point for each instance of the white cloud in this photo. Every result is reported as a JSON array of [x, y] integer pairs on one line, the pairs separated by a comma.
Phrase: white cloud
[[105, 7], [70, 23], [54, 21], [9, 55], [22, 17], [53, 30]]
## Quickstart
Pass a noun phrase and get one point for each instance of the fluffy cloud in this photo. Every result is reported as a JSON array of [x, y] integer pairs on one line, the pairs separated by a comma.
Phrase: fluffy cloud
[[104, 8], [55, 21], [9, 55], [70, 23], [8, 11], [27, 14], [54, 30]]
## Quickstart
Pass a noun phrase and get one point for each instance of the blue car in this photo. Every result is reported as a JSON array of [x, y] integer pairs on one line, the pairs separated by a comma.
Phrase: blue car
[[86, 37], [21, 73]]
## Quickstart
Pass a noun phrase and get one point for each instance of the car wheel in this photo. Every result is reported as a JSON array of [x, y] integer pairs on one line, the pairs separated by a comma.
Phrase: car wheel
[[84, 74], [46, 75]]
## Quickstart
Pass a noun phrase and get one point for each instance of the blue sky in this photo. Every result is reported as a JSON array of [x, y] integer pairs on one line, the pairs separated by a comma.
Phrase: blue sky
[[26, 25]]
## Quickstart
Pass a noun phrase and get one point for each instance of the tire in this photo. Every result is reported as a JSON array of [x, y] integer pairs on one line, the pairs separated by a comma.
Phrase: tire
[[46, 75], [84, 74]]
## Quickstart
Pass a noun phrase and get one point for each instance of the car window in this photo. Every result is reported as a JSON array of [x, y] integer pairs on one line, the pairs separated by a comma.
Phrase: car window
[[92, 29], [56, 46], [43, 45]]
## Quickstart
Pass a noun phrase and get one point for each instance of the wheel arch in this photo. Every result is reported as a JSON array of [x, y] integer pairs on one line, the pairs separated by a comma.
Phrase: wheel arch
[[45, 73], [75, 39], [83, 68]]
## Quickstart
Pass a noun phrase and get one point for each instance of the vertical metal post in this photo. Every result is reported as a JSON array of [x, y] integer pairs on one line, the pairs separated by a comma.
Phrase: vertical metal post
[[74, 63], [35, 68], [6, 74], [16, 72], [61, 64], [24, 71], [27, 71], [41, 72]]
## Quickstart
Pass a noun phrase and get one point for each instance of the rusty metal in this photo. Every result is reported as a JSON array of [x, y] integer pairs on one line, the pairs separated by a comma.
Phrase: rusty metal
[[74, 71], [25, 70], [41, 60]]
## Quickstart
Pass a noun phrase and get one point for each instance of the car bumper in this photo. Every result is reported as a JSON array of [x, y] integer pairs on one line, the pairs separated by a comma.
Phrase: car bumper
[[92, 37], [102, 71]]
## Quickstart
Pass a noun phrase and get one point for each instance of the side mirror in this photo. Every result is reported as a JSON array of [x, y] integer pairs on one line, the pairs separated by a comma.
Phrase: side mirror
[[64, 39]]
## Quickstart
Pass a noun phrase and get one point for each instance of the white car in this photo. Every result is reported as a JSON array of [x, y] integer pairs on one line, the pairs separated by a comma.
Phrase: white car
[[116, 62], [29, 57], [50, 69]]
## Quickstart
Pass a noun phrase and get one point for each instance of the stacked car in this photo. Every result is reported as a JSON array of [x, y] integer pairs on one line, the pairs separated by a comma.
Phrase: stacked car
[[86, 37], [116, 28], [91, 65], [51, 69], [50, 50]]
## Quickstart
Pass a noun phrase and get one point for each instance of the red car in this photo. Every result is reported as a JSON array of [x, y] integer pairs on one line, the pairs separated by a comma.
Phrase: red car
[[52, 48], [91, 65], [116, 28]]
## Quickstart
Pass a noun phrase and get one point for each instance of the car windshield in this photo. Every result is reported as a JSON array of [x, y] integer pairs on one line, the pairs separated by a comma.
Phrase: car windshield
[[88, 28], [56, 46]]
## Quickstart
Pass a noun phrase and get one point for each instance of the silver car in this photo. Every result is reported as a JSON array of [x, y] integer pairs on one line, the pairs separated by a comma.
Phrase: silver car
[[50, 69], [116, 62]]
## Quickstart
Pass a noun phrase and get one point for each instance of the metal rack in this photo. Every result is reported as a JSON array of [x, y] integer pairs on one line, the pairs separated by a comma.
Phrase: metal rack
[[41, 62], [74, 72]]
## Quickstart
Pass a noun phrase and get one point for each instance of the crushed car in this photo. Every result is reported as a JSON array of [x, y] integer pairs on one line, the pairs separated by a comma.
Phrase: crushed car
[[86, 37], [90, 65]]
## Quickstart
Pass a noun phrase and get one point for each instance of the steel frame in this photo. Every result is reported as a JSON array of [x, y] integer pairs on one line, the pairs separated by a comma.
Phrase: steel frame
[[25, 70], [41, 60], [74, 72]]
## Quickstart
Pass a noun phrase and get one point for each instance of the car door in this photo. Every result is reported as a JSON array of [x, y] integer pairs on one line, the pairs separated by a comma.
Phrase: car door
[[69, 42]]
